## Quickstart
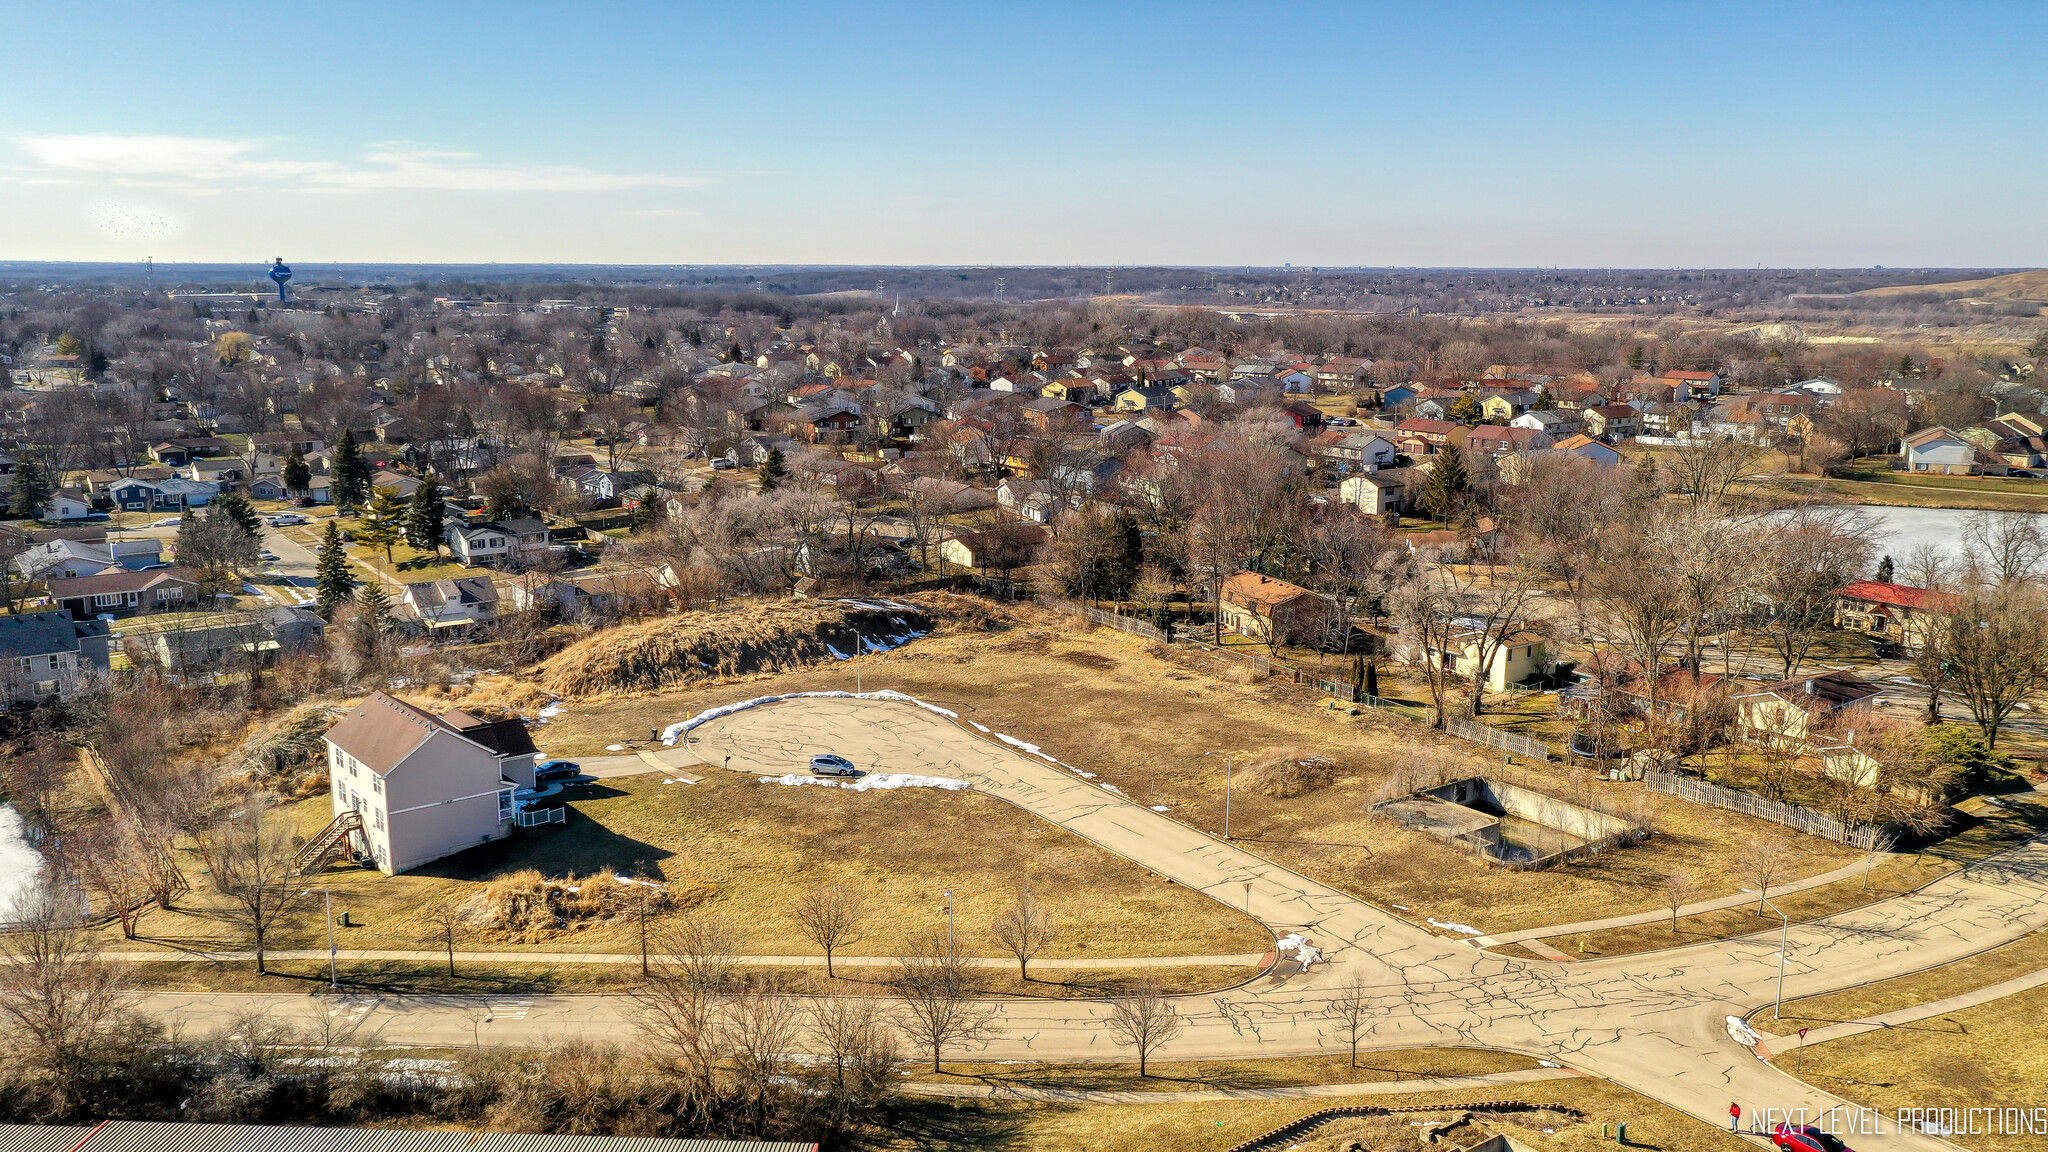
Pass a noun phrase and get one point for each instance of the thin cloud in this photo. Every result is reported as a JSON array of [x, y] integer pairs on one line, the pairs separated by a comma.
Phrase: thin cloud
[[200, 163]]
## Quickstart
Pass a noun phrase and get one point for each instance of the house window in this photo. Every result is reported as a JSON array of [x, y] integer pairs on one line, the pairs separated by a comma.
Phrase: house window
[[377, 819], [377, 785], [108, 601], [504, 804]]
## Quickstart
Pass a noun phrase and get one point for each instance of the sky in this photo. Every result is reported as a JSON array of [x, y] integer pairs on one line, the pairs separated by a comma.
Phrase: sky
[[1436, 134]]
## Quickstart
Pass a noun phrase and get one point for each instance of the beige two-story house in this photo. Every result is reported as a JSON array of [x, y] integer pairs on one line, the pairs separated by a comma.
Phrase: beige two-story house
[[425, 786]]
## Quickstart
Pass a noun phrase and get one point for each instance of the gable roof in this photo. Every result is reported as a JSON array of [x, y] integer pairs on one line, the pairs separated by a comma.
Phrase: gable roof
[[1900, 595], [108, 583], [1257, 591], [383, 730], [1830, 691], [38, 633]]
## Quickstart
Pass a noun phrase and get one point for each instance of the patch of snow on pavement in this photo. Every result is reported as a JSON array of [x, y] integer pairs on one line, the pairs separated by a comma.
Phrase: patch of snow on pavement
[[674, 732], [982, 728], [879, 780], [1455, 927]]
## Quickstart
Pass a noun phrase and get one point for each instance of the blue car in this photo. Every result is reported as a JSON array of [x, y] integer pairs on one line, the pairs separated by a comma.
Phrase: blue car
[[554, 771]]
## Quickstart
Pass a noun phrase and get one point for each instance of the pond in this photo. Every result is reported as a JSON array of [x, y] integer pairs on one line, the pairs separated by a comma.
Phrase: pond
[[20, 863], [1903, 529]]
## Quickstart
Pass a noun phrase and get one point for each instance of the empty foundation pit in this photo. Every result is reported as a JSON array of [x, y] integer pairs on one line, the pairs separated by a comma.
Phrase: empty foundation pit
[[1509, 825]]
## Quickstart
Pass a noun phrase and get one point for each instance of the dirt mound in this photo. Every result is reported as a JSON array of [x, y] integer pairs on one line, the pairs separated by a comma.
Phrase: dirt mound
[[530, 908], [698, 646], [1288, 772]]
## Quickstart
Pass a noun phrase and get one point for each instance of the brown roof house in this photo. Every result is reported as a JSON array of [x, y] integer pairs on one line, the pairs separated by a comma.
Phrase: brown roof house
[[1273, 610], [426, 786], [1792, 713]]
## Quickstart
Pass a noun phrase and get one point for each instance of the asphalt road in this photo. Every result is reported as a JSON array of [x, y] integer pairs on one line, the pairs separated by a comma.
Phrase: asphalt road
[[1655, 1023]]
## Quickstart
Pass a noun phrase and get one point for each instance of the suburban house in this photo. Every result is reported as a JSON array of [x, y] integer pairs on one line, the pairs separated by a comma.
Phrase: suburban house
[[1009, 546], [1383, 490], [65, 559], [46, 655], [1587, 448], [495, 544], [1145, 399], [1939, 450], [425, 786], [1550, 421], [438, 604], [1697, 385], [135, 494], [574, 599], [1031, 500], [1788, 714], [1515, 658], [1898, 613], [120, 591], [1355, 452], [218, 647], [68, 504], [1273, 610], [1613, 422]]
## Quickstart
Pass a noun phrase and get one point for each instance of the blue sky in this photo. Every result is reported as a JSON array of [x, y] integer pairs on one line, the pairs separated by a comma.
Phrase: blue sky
[[1643, 134]]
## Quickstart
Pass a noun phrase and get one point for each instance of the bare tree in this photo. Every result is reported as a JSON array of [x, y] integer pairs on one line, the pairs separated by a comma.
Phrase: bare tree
[[1706, 469], [1764, 861], [1024, 929], [1145, 1019], [830, 916], [2006, 547], [855, 1039], [1353, 1010], [253, 865], [1679, 888], [58, 997], [1798, 565], [1994, 651], [937, 1011], [681, 1004], [761, 1026]]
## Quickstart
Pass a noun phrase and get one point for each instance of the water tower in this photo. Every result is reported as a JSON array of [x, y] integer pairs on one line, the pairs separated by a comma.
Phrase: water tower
[[280, 275]]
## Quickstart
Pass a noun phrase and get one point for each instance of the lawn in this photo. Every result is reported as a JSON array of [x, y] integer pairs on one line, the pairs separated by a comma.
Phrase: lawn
[[2022, 956], [1143, 720], [1373, 1067], [1989, 1056]]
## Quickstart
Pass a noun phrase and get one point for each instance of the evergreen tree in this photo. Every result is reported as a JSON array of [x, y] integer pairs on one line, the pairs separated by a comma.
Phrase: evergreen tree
[[351, 474], [68, 345], [1445, 489], [646, 509], [427, 520], [1905, 365], [772, 470], [373, 621], [298, 475], [1884, 570], [1636, 358], [236, 509], [1467, 410], [32, 490], [1124, 558], [1544, 401], [333, 582], [384, 524], [1647, 480], [1372, 679]]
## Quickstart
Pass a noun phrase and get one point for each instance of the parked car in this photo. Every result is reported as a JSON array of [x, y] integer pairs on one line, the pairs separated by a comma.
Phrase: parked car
[[167, 522], [557, 770], [830, 765], [302, 501], [267, 556], [1806, 1139], [721, 462]]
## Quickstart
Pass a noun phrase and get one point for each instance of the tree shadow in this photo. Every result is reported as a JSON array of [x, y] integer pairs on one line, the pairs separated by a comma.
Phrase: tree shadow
[[939, 1124], [581, 845]]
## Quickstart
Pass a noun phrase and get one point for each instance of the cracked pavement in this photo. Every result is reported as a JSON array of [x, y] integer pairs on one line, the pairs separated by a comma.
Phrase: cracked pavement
[[1654, 1023]]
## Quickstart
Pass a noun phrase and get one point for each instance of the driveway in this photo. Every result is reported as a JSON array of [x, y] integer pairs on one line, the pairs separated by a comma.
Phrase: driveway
[[1654, 1023]]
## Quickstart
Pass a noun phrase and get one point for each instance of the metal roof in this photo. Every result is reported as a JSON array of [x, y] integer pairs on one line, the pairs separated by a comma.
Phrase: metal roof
[[146, 1136]]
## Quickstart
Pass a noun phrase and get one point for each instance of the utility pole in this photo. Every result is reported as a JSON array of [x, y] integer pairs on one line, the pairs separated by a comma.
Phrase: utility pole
[[950, 946], [1784, 939], [333, 958], [859, 648], [643, 928]]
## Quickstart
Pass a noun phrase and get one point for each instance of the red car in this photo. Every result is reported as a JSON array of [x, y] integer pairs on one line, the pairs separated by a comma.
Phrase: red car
[[1807, 1139]]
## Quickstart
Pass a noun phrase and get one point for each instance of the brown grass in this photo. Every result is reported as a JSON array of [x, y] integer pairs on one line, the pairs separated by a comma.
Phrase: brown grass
[[531, 908], [699, 646], [1288, 772]]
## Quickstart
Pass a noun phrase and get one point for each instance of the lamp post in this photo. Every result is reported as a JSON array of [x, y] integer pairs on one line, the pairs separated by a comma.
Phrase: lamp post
[[1784, 939], [858, 646], [333, 959], [950, 946]]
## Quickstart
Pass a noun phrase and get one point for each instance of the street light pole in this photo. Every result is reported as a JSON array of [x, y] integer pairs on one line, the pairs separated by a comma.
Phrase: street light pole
[[857, 647], [1229, 765], [950, 947], [333, 958]]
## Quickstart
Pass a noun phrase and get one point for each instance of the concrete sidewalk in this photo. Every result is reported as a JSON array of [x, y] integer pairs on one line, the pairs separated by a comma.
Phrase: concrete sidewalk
[[1734, 900], [1900, 1016], [1197, 1096], [1244, 960]]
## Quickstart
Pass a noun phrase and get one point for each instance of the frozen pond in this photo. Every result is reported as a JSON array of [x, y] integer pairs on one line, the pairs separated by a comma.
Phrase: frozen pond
[[19, 863], [1904, 529]]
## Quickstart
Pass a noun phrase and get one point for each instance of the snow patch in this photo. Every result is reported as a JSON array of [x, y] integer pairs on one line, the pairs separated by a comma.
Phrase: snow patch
[[1453, 926], [836, 653], [615, 747], [674, 732], [876, 781], [982, 728], [1161, 808]]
